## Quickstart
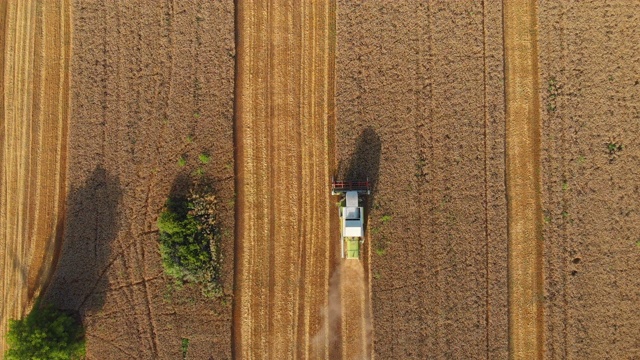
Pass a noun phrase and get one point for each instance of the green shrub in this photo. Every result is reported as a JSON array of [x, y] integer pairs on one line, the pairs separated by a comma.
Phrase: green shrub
[[189, 241], [46, 333]]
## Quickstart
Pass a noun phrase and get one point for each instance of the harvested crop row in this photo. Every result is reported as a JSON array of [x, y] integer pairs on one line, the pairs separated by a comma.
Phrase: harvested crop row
[[590, 96], [289, 287], [523, 181], [35, 82]]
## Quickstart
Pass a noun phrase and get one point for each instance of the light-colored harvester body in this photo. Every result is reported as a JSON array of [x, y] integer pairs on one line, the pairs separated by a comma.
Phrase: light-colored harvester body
[[351, 215]]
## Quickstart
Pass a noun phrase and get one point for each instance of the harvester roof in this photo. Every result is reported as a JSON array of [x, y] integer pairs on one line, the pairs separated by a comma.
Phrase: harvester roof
[[352, 228], [352, 198]]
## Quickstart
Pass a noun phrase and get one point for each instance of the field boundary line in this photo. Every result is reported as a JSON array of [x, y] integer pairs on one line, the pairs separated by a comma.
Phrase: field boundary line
[[523, 176], [486, 177]]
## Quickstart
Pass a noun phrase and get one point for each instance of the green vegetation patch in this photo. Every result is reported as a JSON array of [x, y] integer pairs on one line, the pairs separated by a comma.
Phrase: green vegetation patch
[[199, 172], [204, 158], [613, 147], [47, 334], [185, 347], [189, 240]]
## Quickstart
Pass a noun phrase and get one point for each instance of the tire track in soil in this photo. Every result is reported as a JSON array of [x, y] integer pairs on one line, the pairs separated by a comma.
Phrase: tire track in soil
[[35, 46], [149, 323], [131, 78], [486, 179], [523, 181], [287, 259]]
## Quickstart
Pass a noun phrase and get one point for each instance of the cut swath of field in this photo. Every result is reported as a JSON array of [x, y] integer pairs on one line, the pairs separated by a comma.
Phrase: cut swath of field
[[523, 181], [355, 310], [33, 130], [283, 121], [288, 296], [590, 96]]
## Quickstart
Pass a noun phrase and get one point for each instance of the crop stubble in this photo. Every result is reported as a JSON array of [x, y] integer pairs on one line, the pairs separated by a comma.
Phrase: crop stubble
[[523, 181], [426, 81], [35, 53], [289, 295], [590, 95], [152, 82]]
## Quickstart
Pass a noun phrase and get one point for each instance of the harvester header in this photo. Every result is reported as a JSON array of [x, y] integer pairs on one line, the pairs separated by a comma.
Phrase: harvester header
[[341, 187]]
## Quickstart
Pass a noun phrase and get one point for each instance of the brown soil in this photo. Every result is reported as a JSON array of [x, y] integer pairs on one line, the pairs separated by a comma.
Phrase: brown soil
[[290, 290], [35, 53], [420, 111], [151, 82], [590, 95], [523, 180]]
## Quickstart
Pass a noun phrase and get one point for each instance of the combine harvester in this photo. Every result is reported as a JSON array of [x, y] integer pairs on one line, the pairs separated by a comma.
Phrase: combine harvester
[[351, 215]]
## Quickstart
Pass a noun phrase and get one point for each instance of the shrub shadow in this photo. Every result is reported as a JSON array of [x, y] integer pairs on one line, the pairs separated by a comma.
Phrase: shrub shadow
[[181, 185], [80, 280]]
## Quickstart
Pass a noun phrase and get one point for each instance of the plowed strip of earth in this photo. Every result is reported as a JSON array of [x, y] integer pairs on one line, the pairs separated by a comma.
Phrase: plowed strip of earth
[[523, 181], [287, 297], [34, 119]]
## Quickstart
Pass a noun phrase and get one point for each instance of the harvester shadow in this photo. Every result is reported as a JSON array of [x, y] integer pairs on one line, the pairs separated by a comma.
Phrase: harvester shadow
[[364, 164], [81, 276]]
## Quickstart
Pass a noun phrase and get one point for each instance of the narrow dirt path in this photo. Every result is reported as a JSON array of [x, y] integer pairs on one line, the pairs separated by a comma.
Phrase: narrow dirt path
[[35, 82], [355, 311], [523, 181], [288, 292]]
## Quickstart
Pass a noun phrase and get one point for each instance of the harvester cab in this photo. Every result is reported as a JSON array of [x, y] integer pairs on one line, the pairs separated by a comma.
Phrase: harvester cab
[[351, 215]]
